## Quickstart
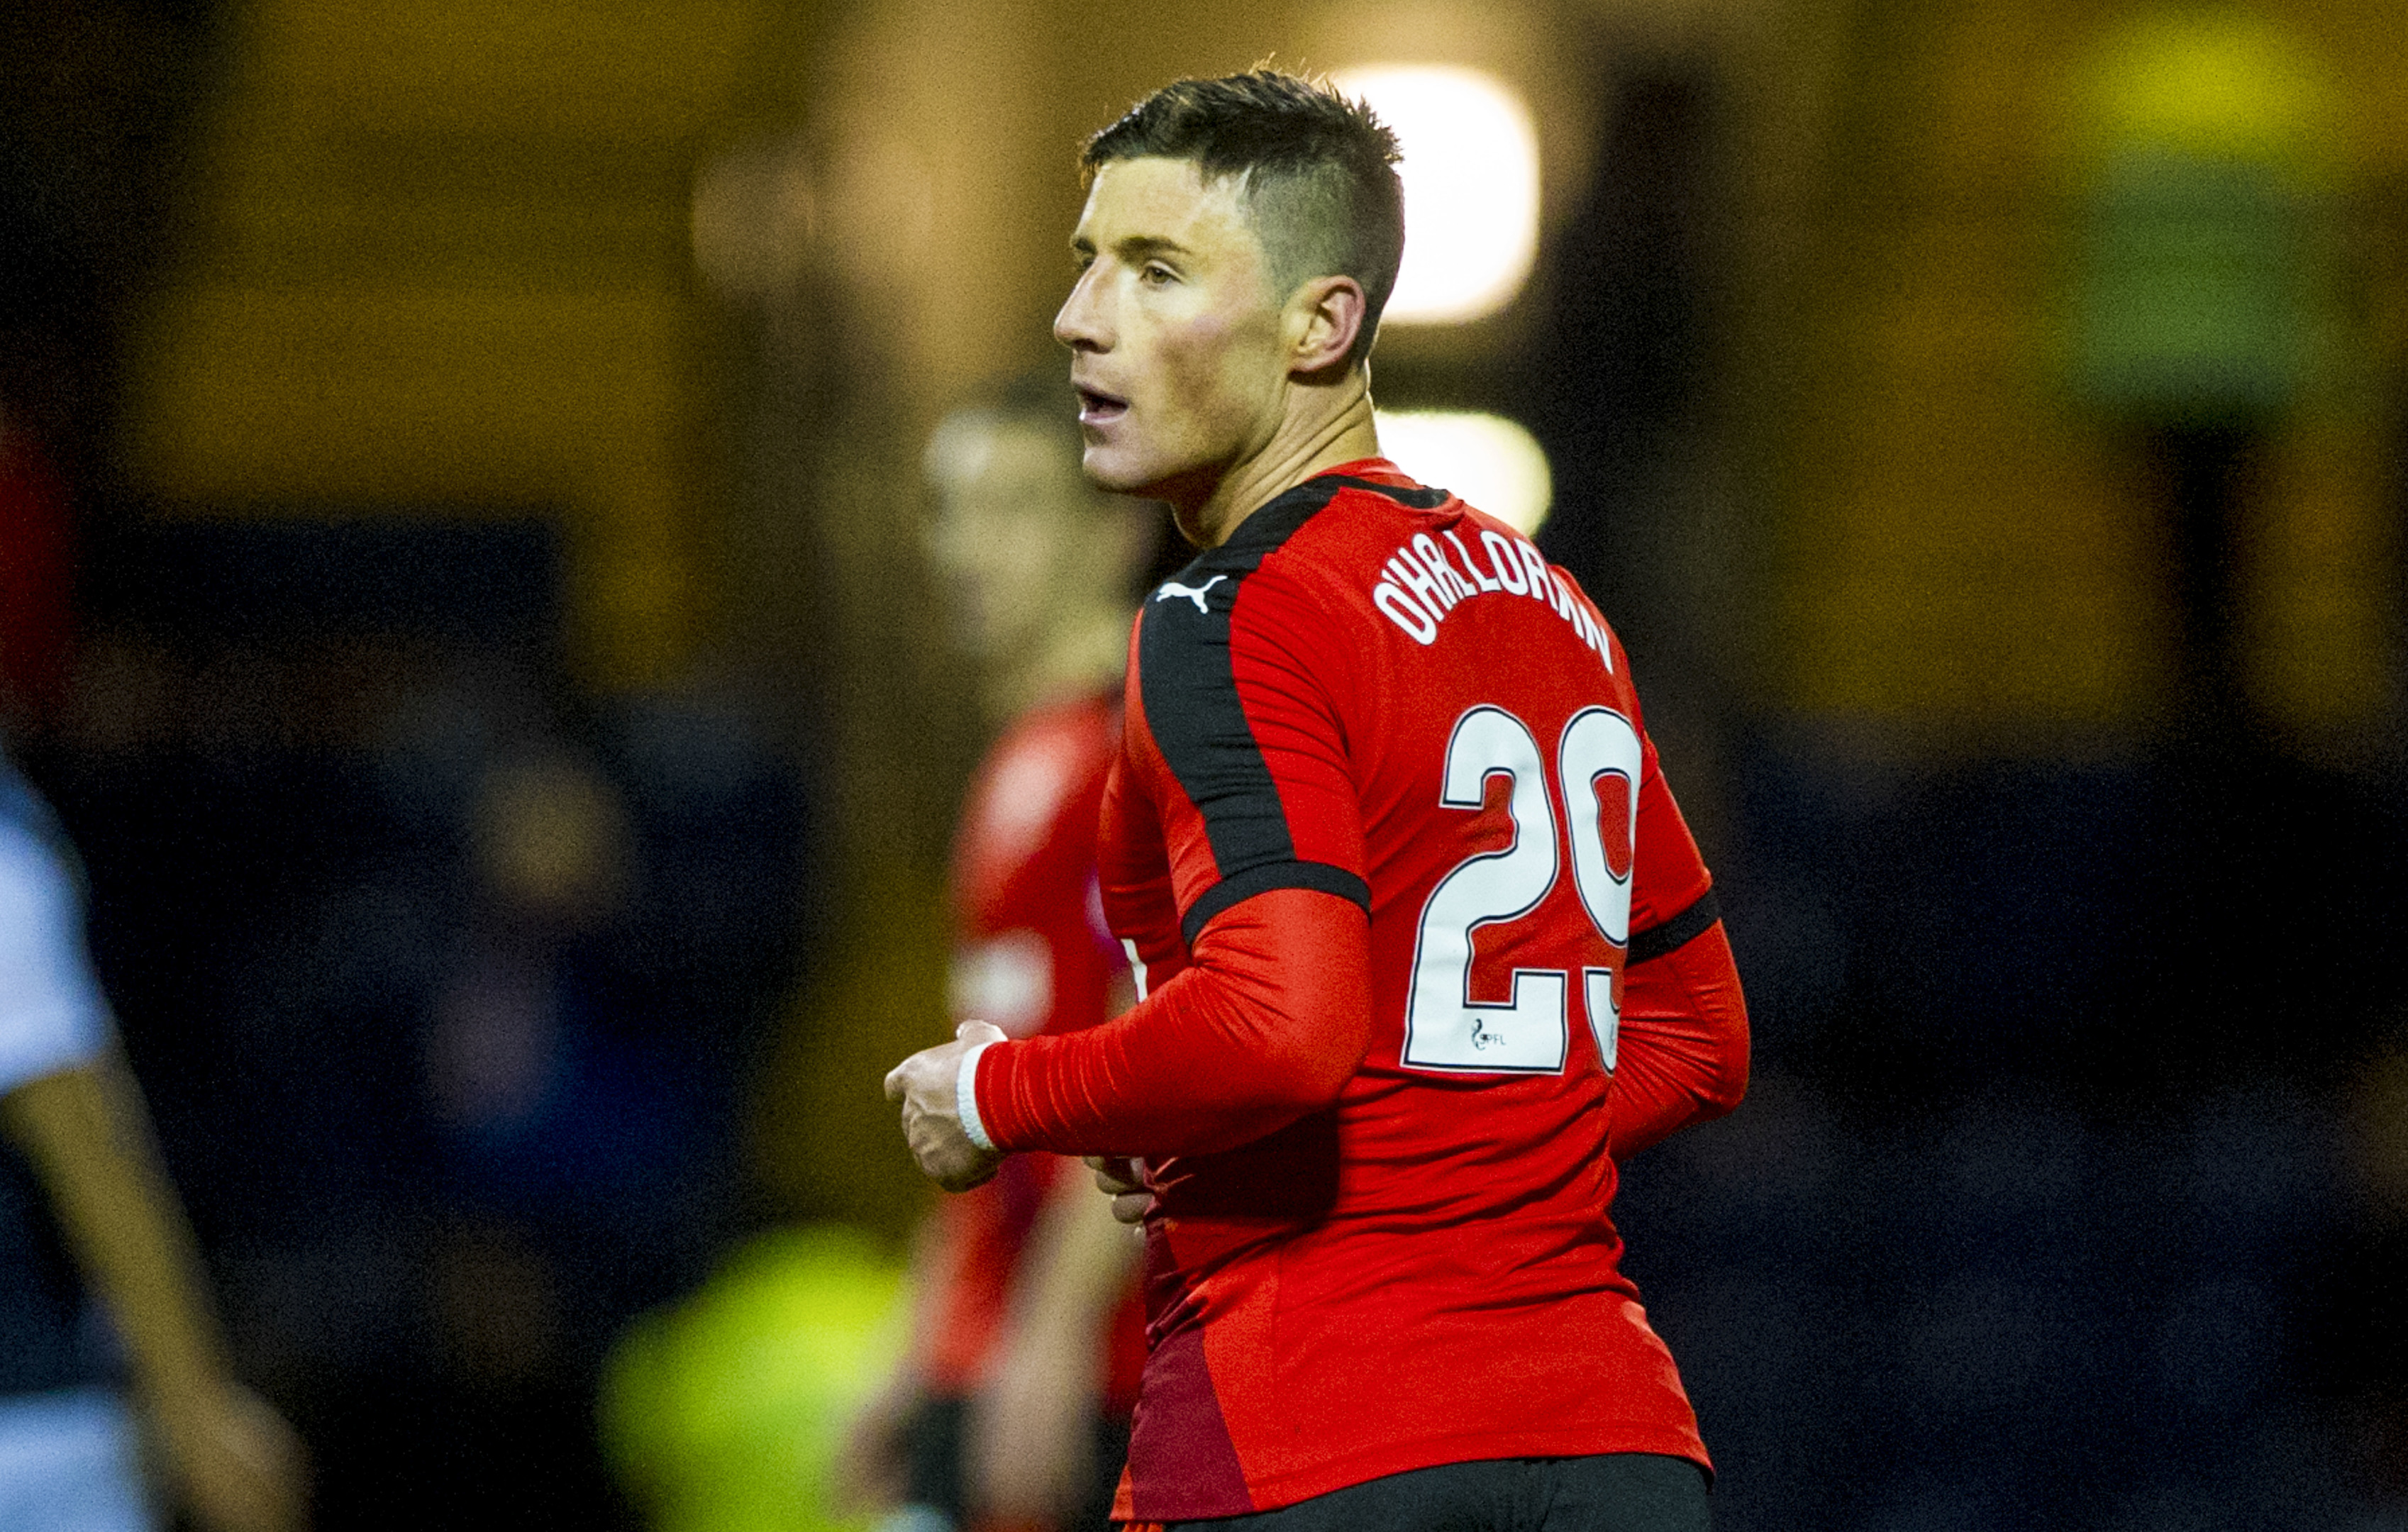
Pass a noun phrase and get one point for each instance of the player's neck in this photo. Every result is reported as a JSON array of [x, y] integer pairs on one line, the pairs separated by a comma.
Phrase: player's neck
[[1083, 652], [1323, 428]]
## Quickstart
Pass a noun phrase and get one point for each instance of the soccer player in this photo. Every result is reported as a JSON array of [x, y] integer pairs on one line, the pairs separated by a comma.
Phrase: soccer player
[[1426, 947], [1012, 1407], [78, 1147]]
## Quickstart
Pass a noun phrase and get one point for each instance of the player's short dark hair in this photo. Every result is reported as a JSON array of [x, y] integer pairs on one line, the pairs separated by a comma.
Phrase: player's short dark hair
[[1318, 171]]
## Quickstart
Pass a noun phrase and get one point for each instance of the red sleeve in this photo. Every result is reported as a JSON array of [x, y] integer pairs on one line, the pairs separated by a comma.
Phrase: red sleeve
[[1682, 1056], [1267, 1023], [1234, 831], [1682, 1052]]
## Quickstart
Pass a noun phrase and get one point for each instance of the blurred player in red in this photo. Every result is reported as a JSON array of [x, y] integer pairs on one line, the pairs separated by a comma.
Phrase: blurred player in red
[[1426, 947], [1012, 1409]]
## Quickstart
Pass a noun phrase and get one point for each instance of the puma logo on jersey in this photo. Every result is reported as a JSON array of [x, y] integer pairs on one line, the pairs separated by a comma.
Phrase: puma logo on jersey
[[1193, 593]]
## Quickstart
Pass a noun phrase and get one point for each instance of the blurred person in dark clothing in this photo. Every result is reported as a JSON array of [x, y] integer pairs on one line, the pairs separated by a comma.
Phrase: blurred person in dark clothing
[[78, 1145], [1011, 1408]]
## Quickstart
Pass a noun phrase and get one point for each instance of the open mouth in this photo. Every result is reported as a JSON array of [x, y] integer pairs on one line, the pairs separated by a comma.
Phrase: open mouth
[[1096, 407]]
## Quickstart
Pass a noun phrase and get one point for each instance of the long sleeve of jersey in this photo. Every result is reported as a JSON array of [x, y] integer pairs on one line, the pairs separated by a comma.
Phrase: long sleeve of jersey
[[1684, 1045], [1233, 811], [1266, 1023]]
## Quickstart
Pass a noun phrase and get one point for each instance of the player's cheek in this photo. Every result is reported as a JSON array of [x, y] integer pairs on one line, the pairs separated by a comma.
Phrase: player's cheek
[[1198, 370]]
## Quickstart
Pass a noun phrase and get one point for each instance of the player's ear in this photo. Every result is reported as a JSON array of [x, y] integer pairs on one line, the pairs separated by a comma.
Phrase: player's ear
[[1326, 315]]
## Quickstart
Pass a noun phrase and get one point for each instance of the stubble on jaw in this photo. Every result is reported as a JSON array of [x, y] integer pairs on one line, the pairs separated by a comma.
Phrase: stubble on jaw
[[1214, 416]]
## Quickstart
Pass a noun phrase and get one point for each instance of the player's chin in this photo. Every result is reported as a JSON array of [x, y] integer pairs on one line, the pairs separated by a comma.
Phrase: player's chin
[[1112, 468]]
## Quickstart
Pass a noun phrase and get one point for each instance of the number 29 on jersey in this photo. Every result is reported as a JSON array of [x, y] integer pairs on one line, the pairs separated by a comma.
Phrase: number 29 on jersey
[[1445, 1029]]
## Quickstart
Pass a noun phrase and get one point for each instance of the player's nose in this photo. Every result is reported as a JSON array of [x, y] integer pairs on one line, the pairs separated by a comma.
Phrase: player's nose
[[1083, 323]]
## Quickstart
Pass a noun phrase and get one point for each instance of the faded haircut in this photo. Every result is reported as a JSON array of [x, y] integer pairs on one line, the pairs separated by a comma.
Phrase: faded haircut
[[1317, 171]]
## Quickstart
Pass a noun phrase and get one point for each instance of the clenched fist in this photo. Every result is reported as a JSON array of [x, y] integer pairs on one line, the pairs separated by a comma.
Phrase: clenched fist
[[926, 1085]]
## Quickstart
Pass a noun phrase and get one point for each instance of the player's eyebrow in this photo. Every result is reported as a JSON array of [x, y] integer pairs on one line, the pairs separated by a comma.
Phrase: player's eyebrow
[[1134, 248]]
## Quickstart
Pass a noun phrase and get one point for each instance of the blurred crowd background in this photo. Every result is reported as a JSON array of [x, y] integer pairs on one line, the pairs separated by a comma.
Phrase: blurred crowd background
[[461, 583]]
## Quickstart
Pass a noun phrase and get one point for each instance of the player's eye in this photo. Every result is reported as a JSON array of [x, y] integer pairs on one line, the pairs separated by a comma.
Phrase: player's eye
[[1157, 274]]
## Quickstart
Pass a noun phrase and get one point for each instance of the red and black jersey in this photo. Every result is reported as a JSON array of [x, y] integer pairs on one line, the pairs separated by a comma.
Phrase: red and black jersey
[[1032, 955], [1428, 948]]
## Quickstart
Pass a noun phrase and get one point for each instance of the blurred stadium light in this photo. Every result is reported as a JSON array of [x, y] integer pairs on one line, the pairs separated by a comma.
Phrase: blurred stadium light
[[1488, 460], [1471, 187]]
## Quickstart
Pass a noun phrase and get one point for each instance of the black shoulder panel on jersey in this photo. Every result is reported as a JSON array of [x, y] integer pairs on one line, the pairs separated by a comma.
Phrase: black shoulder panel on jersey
[[1421, 496], [1676, 933], [1190, 691]]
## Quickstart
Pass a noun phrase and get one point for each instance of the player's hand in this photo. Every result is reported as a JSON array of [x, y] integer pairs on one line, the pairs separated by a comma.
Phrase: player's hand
[[1122, 1178], [238, 1467], [924, 1085]]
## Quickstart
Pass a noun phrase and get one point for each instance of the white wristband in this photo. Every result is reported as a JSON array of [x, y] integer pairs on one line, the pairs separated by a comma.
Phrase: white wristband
[[966, 1098]]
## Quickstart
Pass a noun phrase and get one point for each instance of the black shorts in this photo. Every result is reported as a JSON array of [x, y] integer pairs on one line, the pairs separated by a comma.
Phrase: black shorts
[[1613, 1492]]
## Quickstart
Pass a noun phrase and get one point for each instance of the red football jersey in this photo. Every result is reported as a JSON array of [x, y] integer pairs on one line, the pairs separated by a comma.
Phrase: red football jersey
[[1375, 692], [1032, 955]]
